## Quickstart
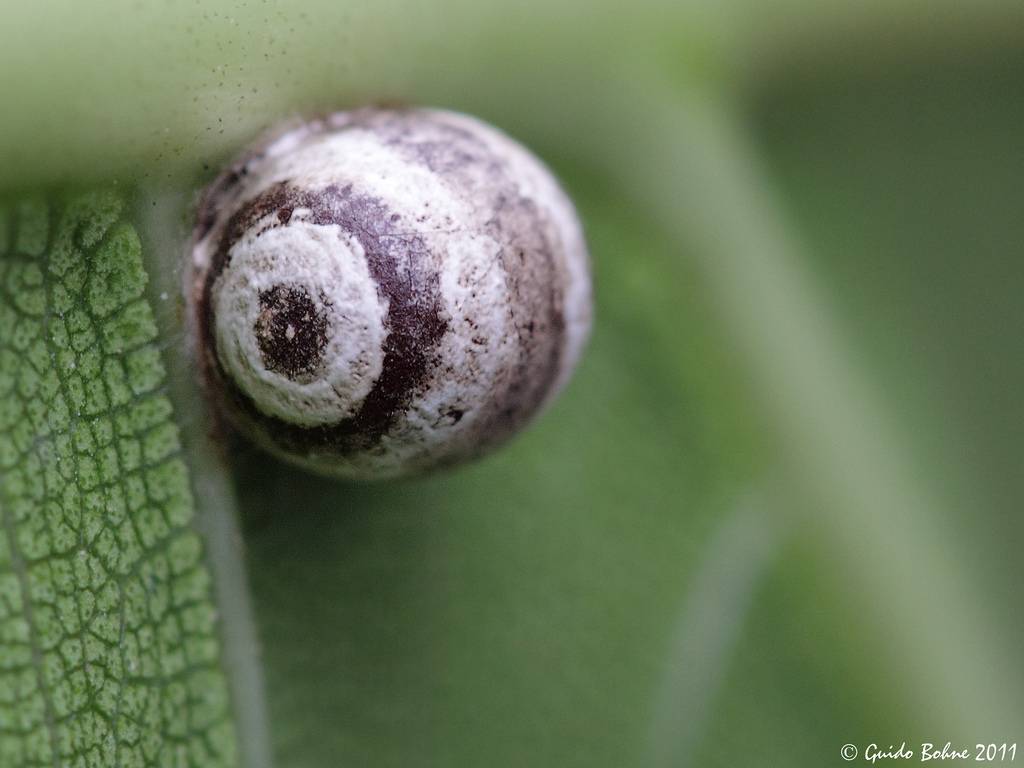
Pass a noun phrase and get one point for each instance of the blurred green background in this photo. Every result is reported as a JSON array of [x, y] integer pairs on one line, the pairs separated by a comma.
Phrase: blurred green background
[[777, 511]]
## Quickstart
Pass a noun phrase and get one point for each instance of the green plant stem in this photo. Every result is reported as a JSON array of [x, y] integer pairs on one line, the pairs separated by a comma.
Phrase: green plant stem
[[164, 214], [846, 453], [745, 547]]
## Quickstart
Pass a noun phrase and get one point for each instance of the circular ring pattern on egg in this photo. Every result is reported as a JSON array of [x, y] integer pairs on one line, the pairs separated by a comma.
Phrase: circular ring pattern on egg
[[383, 291]]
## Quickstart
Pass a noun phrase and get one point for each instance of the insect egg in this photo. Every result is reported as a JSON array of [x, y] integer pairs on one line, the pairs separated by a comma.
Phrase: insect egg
[[383, 291]]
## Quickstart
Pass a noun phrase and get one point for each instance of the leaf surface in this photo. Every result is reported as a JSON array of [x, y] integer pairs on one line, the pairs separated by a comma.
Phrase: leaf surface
[[109, 653]]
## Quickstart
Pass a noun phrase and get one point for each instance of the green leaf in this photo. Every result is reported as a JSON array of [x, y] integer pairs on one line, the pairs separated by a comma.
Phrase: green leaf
[[735, 547], [109, 651], [122, 89], [517, 611]]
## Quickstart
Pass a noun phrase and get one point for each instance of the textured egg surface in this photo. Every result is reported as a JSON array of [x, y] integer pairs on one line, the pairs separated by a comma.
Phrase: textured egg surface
[[383, 291]]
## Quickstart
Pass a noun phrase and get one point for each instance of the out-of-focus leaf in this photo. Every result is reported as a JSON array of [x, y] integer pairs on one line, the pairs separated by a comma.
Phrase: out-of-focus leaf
[[906, 181], [123, 89], [519, 611], [563, 601]]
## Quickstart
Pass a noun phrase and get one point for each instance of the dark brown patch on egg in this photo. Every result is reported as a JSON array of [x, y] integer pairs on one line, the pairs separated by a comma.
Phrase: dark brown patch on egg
[[528, 254], [495, 382], [536, 284], [400, 264], [291, 331]]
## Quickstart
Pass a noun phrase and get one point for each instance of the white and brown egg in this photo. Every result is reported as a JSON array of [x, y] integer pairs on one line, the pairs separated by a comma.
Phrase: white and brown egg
[[383, 291]]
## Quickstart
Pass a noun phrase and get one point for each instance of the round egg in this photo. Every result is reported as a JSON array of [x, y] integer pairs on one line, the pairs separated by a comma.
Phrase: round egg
[[380, 292]]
